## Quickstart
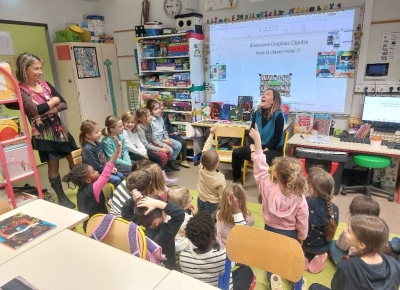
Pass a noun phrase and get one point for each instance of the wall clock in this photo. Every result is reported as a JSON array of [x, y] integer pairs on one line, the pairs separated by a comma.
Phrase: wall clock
[[172, 7]]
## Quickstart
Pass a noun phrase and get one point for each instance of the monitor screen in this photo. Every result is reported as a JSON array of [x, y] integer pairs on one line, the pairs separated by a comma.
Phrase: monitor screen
[[377, 69], [381, 109]]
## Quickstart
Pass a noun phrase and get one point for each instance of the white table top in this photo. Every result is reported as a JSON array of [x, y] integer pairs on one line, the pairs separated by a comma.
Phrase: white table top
[[69, 260], [337, 145], [62, 217], [179, 281]]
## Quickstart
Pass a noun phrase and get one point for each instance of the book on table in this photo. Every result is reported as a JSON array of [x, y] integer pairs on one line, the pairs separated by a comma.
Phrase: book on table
[[20, 229]]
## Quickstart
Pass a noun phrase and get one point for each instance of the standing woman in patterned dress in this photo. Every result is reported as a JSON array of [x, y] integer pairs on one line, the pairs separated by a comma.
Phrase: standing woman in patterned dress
[[50, 137]]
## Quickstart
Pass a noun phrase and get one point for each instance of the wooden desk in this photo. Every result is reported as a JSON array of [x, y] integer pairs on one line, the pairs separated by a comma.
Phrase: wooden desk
[[62, 217], [69, 260], [178, 281], [335, 144]]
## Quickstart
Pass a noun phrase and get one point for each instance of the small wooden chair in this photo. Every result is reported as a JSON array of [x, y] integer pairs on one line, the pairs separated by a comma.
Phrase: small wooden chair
[[272, 168], [77, 159], [4, 206], [264, 250], [228, 132], [117, 234]]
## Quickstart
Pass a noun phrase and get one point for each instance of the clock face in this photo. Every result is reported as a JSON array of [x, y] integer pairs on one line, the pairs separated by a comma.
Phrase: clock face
[[172, 7]]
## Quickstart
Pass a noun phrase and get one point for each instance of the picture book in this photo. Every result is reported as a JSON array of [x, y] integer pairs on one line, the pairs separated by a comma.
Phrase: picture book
[[304, 123], [20, 229], [225, 112], [216, 108], [236, 113], [205, 111], [323, 122], [246, 102], [18, 283]]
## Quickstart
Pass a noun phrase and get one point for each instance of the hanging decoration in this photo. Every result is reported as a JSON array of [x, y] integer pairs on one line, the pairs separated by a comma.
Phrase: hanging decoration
[[265, 14]]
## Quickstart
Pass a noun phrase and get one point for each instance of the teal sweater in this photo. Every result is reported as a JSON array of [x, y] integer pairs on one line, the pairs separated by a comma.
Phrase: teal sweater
[[109, 147], [267, 133]]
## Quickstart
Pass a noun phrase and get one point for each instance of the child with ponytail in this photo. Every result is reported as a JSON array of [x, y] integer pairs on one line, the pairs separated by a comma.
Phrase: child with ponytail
[[90, 196], [284, 206], [115, 128], [323, 218]]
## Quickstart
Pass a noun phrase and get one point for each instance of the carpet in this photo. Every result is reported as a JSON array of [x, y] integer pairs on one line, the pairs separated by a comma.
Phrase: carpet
[[323, 277]]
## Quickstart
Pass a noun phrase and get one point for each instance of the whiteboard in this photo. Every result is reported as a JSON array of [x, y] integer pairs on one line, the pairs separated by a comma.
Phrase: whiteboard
[[285, 42]]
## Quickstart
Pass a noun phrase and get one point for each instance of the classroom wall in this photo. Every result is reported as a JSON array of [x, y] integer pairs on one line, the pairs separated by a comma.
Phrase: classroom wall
[[126, 14], [55, 13]]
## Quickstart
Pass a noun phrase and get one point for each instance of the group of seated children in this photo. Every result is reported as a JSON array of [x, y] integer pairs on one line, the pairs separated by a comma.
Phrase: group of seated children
[[170, 220]]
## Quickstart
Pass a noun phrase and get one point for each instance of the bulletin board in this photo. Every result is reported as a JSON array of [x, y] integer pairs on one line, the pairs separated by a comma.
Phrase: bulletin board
[[32, 38]]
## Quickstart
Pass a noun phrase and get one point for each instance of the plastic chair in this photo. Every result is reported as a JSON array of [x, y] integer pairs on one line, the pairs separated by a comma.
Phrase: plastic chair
[[264, 250], [228, 132], [272, 168], [4, 206], [371, 162], [77, 159]]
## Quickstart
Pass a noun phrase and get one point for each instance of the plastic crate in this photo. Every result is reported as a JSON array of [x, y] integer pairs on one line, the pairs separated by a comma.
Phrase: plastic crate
[[68, 36]]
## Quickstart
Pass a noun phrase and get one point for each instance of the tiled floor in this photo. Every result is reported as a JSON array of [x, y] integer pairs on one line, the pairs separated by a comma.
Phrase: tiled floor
[[390, 211]]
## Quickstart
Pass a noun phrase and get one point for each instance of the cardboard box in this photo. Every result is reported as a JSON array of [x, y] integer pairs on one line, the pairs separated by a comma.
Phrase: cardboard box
[[387, 176]]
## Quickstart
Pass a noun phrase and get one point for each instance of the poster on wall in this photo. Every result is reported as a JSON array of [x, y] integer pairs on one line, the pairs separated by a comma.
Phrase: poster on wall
[[326, 63], [390, 47], [280, 83], [132, 91], [218, 72], [86, 62], [220, 4], [345, 64]]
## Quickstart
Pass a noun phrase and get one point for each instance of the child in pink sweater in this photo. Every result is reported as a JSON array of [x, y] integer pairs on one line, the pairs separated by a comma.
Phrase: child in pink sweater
[[284, 206]]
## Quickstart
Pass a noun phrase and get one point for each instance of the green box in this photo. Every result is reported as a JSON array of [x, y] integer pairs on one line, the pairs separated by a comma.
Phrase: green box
[[68, 36]]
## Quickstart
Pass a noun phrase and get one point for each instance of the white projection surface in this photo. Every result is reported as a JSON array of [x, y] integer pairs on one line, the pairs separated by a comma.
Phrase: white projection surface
[[311, 48]]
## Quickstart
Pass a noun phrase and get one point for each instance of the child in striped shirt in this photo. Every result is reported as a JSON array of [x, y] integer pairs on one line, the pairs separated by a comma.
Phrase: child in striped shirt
[[207, 254]]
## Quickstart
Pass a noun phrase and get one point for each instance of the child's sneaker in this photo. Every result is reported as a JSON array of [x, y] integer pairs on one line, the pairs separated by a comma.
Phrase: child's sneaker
[[253, 283], [184, 164], [317, 263], [276, 282]]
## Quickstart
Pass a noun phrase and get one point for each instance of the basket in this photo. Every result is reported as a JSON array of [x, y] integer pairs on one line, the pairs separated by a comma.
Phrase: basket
[[68, 36]]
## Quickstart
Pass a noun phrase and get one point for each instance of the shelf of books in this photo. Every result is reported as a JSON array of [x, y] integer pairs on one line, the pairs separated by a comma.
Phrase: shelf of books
[[171, 69], [16, 153]]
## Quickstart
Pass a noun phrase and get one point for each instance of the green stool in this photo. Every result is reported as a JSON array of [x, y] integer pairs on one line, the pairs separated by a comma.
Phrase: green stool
[[371, 162]]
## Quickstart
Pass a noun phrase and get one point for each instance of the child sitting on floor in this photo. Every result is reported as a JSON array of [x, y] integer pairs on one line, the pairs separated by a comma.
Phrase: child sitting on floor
[[207, 260], [150, 213], [122, 193], [360, 205], [226, 220], [323, 218], [182, 197], [284, 205], [211, 181], [90, 196], [368, 267]]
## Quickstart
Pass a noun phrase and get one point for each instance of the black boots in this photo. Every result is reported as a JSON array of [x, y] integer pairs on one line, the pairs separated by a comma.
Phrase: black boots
[[173, 165], [62, 198]]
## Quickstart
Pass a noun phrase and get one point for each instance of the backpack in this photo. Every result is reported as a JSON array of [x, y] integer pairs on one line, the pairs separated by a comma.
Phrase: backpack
[[140, 245]]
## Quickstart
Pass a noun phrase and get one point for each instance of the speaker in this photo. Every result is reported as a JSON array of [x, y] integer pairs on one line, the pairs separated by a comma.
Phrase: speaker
[[189, 22]]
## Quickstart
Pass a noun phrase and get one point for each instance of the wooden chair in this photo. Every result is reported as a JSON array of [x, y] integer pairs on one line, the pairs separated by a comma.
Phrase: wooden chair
[[264, 250], [117, 235], [77, 159], [4, 206], [272, 168], [228, 132]]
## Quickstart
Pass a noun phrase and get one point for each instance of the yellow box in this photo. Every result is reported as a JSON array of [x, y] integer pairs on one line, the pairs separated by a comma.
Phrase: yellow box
[[7, 91]]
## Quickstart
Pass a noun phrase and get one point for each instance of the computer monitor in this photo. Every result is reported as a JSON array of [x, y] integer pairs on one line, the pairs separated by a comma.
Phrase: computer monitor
[[381, 109]]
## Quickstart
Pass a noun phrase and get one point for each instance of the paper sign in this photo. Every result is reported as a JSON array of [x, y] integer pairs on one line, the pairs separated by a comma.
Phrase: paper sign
[[6, 45]]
